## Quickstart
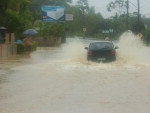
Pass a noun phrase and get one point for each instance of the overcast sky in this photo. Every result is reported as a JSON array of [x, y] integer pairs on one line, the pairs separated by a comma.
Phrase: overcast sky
[[100, 6]]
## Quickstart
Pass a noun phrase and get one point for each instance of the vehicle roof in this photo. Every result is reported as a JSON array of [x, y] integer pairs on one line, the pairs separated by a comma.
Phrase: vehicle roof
[[102, 41]]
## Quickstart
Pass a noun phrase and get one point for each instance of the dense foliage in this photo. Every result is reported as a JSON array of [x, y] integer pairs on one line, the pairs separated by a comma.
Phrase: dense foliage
[[53, 29], [15, 15], [22, 47]]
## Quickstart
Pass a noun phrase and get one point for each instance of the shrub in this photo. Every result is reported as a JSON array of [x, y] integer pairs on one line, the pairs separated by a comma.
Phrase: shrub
[[146, 36], [21, 48], [34, 45]]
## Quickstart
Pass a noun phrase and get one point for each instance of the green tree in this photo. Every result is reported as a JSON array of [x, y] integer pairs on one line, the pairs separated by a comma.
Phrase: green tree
[[53, 29], [117, 5], [15, 15], [83, 3], [89, 20]]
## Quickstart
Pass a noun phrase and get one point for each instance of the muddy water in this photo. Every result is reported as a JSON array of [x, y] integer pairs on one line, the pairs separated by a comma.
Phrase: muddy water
[[61, 80]]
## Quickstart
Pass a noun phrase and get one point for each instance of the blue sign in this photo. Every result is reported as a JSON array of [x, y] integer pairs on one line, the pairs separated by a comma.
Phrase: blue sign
[[53, 13]]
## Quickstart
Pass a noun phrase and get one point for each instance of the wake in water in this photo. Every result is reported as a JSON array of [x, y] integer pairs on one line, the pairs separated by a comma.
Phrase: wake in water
[[132, 50]]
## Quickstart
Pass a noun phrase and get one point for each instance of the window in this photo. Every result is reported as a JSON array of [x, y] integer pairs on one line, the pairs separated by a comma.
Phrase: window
[[101, 45]]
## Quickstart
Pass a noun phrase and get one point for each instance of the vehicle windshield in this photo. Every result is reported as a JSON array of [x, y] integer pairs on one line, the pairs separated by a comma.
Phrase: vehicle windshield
[[101, 45]]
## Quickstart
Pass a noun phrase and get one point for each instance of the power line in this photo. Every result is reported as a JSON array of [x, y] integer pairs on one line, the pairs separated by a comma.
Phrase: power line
[[132, 4]]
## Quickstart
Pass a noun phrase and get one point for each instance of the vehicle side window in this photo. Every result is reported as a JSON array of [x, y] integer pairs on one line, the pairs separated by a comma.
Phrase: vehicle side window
[[112, 45], [91, 46]]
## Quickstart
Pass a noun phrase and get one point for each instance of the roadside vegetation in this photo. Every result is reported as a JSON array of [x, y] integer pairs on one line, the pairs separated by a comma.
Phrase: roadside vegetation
[[22, 47], [18, 15]]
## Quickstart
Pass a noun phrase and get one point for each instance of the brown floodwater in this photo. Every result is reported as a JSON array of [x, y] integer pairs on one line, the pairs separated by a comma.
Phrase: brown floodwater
[[61, 80]]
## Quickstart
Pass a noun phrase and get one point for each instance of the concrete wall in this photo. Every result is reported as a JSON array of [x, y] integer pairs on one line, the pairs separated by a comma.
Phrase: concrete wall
[[9, 48]]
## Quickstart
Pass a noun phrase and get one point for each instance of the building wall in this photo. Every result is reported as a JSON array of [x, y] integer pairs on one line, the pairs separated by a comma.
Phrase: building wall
[[9, 48]]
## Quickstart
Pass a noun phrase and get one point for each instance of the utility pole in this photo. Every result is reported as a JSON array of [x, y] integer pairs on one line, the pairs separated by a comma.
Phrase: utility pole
[[127, 3], [82, 9], [138, 15], [84, 26]]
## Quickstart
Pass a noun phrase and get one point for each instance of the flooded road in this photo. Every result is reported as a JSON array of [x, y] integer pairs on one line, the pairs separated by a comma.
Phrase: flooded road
[[61, 80]]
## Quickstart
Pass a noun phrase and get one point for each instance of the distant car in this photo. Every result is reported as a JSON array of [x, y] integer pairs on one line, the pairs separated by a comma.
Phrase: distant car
[[101, 51]]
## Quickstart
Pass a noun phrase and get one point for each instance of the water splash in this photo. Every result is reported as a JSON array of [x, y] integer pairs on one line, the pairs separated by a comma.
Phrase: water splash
[[74, 49], [132, 50]]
